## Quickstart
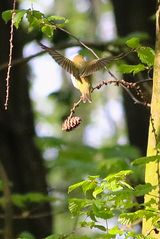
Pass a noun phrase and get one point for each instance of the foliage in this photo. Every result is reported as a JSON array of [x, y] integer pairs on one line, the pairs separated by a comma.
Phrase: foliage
[[111, 197], [145, 54], [36, 20]]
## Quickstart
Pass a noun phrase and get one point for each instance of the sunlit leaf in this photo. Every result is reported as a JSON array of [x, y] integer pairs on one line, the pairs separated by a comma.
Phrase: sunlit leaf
[[47, 30], [146, 55], [7, 15], [75, 186], [97, 191], [125, 68], [57, 19], [141, 190], [133, 42], [120, 175], [115, 231], [145, 160], [18, 17]]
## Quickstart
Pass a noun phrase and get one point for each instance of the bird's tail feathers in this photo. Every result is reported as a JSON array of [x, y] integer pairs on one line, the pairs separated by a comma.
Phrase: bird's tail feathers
[[86, 97]]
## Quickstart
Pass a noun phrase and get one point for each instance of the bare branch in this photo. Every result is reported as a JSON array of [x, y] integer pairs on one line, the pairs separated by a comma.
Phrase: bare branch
[[10, 56], [100, 45], [126, 85]]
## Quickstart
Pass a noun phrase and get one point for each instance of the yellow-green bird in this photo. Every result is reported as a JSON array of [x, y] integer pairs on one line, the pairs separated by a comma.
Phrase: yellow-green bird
[[80, 70]]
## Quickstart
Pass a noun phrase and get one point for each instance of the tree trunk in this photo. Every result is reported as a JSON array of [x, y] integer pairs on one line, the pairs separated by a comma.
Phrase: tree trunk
[[134, 16], [152, 173], [20, 157]]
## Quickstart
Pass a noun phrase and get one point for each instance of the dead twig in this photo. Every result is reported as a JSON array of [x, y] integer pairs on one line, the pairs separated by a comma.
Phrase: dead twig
[[10, 56]]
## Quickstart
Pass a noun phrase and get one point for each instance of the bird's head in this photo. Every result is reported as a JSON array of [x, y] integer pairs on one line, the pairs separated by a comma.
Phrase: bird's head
[[79, 61]]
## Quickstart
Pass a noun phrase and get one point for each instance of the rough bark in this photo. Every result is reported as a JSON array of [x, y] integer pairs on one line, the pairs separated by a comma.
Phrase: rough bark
[[19, 155]]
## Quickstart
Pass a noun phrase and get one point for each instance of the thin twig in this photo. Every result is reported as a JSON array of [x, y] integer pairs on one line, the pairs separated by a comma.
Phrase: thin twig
[[126, 85], [22, 60], [77, 39], [10, 56], [90, 49], [144, 81], [72, 111]]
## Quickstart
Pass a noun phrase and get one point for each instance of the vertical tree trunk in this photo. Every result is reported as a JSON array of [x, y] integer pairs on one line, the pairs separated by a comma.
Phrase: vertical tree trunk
[[152, 173], [19, 155], [134, 16]]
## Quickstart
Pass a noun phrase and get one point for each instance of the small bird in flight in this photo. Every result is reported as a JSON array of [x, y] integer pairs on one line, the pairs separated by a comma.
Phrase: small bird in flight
[[80, 70]]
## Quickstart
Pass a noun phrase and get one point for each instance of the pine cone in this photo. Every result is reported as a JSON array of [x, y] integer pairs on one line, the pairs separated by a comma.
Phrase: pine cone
[[71, 123]]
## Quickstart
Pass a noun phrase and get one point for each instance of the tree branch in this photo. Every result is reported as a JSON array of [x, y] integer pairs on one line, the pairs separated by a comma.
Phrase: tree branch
[[99, 46], [10, 56]]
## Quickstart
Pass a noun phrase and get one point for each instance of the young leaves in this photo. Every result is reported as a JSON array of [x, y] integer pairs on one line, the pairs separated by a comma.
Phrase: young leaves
[[36, 20], [109, 197], [145, 160], [145, 54]]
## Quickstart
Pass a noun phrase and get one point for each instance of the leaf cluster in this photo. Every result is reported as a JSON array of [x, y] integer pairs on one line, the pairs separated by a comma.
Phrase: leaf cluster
[[112, 197], [36, 20], [145, 55]]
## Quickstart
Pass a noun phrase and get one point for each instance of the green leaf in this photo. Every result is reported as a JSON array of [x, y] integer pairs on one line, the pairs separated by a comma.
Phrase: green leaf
[[33, 22], [53, 237], [115, 231], [145, 160], [104, 214], [76, 205], [133, 42], [57, 19], [7, 15], [49, 142], [89, 185], [47, 30], [35, 19], [116, 181], [97, 191], [118, 176], [125, 68], [75, 186], [146, 55], [102, 228], [26, 235], [37, 14], [21, 200], [137, 236], [141, 190], [87, 224], [100, 210], [131, 217], [126, 185], [93, 177], [18, 17]]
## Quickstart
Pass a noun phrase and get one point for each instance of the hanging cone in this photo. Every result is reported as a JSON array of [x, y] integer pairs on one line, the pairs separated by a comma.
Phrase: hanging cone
[[71, 123]]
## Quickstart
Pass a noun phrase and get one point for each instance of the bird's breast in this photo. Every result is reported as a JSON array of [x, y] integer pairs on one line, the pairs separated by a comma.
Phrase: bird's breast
[[74, 81], [85, 81]]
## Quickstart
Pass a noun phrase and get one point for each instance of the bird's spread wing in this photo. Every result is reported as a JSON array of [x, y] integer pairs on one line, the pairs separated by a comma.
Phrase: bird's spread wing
[[63, 61], [95, 65]]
